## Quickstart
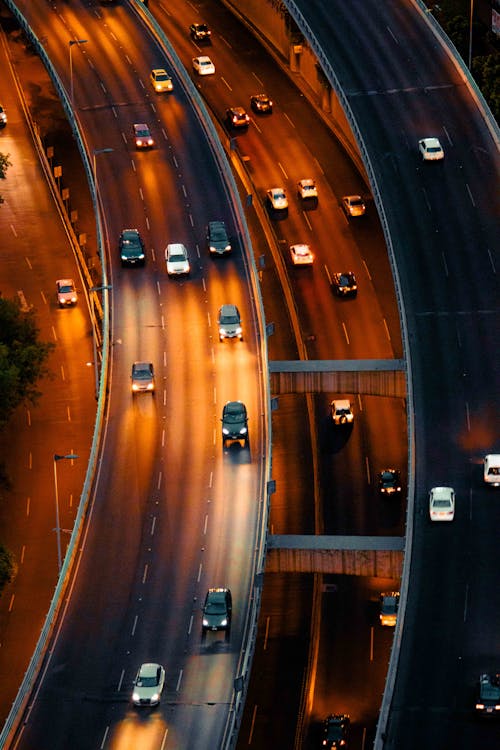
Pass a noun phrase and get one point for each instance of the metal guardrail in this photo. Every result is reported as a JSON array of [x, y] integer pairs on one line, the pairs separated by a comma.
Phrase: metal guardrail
[[24, 692]]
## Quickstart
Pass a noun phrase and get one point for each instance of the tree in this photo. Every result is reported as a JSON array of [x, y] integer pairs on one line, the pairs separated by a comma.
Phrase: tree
[[7, 567], [23, 358], [4, 165]]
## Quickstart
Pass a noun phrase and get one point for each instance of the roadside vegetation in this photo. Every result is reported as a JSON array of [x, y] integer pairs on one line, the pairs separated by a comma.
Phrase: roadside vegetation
[[4, 165], [453, 16]]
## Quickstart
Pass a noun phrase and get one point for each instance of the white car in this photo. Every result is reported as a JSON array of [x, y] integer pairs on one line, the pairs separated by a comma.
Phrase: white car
[[142, 136], [161, 80], [341, 412], [148, 685], [430, 149], [301, 255], [491, 470], [203, 65], [177, 259], [277, 198], [442, 504], [66, 292], [353, 205], [307, 189]]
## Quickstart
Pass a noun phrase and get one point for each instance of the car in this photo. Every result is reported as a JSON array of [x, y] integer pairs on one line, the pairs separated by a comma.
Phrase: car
[[389, 482], [143, 377], [148, 685], [177, 259], [277, 198], [341, 412], [261, 104], [203, 65], [234, 423], [344, 284], [217, 239], [353, 205], [229, 321], [442, 504], [66, 292], [488, 695], [3, 116], [131, 248], [336, 731], [161, 80], [491, 470], [301, 255], [307, 189], [236, 117], [217, 610], [389, 603], [200, 32], [430, 149], [142, 136]]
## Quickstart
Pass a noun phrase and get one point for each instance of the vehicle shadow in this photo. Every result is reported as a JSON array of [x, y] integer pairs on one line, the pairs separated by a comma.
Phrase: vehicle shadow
[[332, 438]]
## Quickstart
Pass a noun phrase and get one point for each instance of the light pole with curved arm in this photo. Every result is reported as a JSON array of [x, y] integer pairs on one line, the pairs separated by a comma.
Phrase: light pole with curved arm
[[57, 458]]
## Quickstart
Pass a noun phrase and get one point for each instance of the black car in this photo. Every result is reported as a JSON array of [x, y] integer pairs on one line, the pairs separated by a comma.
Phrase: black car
[[389, 482], [131, 248], [200, 32], [217, 610], [344, 284], [336, 731], [488, 698], [236, 117], [217, 239], [234, 423], [261, 104]]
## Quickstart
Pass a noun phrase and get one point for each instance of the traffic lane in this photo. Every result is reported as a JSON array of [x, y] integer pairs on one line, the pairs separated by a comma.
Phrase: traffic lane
[[350, 498], [346, 665], [281, 644]]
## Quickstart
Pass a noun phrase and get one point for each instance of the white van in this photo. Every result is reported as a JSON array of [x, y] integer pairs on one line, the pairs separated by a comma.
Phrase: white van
[[492, 469]]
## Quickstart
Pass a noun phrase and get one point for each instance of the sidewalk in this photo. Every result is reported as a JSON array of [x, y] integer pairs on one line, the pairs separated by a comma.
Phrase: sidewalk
[[36, 251]]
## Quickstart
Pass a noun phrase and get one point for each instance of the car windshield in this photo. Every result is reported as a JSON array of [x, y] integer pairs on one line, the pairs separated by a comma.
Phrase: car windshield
[[66, 288], [177, 258], [442, 503], [334, 731], [389, 604], [356, 202], [234, 414], [217, 234], [202, 27], [147, 682], [215, 608], [142, 132], [490, 690], [142, 374], [161, 77], [229, 320]]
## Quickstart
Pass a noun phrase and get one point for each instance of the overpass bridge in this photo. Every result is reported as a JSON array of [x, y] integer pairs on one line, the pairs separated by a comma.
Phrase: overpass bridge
[[374, 556]]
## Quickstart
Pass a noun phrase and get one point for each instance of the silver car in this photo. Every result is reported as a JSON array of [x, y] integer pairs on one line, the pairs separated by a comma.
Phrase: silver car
[[230, 323]]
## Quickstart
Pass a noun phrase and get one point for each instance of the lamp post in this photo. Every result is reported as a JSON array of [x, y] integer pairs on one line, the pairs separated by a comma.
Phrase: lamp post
[[93, 290], [71, 43], [470, 33], [57, 458]]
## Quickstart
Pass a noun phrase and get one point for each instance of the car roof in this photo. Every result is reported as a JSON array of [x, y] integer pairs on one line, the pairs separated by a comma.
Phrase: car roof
[[149, 669], [65, 282], [342, 403], [442, 493], [229, 310], [143, 366], [141, 126]]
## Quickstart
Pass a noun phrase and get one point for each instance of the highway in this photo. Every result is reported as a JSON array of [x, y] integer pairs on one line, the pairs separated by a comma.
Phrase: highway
[[445, 234], [354, 329], [172, 513]]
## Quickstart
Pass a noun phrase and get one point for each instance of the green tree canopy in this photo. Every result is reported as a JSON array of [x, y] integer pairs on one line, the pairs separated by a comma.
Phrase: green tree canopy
[[4, 165], [23, 358]]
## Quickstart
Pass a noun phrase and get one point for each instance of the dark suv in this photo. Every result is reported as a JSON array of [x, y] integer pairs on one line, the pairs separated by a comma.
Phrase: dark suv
[[200, 32], [336, 731], [217, 239], [217, 610], [234, 423], [488, 695], [131, 248]]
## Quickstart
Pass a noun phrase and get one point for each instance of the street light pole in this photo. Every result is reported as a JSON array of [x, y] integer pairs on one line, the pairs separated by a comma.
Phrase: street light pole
[[470, 33], [57, 458], [71, 43], [92, 291]]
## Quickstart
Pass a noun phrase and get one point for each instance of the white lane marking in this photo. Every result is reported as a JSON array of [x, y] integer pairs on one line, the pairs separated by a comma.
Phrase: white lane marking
[[200, 568], [178, 686], [136, 618], [371, 642], [153, 525], [106, 731], [120, 681], [145, 574], [283, 170], [345, 332], [386, 329]]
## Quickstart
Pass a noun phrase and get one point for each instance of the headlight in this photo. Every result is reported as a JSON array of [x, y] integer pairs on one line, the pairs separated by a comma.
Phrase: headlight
[[135, 387], [239, 329], [205, 622], [243, 431], [150, 386], [479, 706], [73, 299], [225, 431], [222, 331], [224, 622], [135, 697], [227, 248], [155, 697]]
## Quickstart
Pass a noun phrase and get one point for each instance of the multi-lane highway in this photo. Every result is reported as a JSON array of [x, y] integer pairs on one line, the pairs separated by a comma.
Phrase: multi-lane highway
[[443, 220]]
